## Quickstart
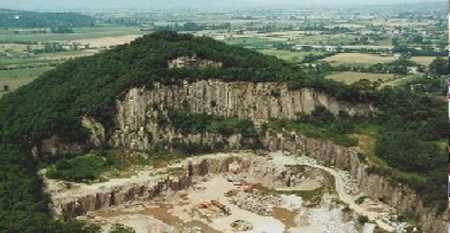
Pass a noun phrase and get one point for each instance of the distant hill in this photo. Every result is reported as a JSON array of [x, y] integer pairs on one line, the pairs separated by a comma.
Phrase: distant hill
[[54, 5], [27, 19]]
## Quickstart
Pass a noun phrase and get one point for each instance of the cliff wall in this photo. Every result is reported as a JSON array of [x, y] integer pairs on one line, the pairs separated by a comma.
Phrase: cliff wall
[[259, 102]]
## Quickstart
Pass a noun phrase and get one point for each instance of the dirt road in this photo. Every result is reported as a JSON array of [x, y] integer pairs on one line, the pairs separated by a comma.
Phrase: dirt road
[[350, 200]]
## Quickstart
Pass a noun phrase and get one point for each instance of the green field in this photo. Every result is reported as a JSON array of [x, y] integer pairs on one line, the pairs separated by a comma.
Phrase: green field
[[424, 60], [250, 41], [400, 81], [19, 61], [289, 56], [357, 59], [351, 77], [18, 77]]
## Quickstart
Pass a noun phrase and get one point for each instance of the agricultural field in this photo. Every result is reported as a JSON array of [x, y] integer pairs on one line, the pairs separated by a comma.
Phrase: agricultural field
[[9, 36], [250, 41], [357, 59], [289, 56], [424, 60], [10, 80], [104, 42], [64, 55], [351, 77]]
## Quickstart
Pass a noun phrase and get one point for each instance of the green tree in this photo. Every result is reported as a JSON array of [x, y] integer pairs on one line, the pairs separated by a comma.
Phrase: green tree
[[119, 228], [439, 66]]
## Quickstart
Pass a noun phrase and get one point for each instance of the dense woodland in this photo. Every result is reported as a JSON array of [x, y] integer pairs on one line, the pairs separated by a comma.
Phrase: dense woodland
[[26, 19], [408, 125]]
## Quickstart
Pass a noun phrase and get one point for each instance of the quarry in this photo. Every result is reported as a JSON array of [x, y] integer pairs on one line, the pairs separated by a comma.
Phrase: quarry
[[288, 183], [229, 192]]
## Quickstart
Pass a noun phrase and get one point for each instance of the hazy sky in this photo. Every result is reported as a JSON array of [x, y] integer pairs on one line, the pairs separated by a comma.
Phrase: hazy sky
[[140, 4]]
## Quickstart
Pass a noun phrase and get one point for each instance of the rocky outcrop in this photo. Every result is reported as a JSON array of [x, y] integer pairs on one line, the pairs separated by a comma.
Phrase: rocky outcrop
[[243, 100], [378, 187], [77, 205], [97, 136], [79, 199], [139, 110], [98, 196], [193, 61], [54, 145]]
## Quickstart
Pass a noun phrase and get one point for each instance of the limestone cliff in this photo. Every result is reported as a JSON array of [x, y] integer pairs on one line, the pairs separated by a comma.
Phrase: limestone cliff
[[256, 101], [138, 109]]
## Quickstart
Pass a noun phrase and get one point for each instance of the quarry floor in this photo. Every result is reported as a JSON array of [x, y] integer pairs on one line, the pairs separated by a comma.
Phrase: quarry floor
[[190, 210]]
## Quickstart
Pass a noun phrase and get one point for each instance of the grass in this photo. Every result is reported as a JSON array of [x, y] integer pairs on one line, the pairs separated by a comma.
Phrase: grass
[[63, 55], [19, 77], [399, 81], [366, 149], [424, 60], [351, 77], [176, 171], [97, 165], [247, 41], [357, 59], [384, 42], [289, 56], [306, 195], [19, 61], [361, 200], [313, 131]]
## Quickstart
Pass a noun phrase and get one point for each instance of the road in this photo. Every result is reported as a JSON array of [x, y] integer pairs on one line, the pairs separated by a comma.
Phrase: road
[[350, 200]]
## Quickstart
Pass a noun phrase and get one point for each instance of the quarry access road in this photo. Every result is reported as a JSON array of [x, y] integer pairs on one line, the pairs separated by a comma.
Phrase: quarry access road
[[350, 200]]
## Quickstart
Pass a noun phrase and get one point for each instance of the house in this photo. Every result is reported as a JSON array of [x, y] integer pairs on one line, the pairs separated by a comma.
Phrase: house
[[330, 48]]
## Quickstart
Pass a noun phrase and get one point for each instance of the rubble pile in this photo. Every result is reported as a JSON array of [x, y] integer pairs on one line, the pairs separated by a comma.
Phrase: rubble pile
[[241, 225], [330, 221], [301, 219], [306, 160], [261, 205]]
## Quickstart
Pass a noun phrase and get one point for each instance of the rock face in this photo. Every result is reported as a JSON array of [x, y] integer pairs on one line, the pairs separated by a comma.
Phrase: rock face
[[138, 109], [193, 61], [54, 145], [80, 199], [97, 130], [243, 100], [100, 195], [77, 205]]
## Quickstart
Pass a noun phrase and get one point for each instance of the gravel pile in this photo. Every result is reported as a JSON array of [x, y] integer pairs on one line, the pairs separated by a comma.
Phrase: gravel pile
[[261, 205], [306, 160]]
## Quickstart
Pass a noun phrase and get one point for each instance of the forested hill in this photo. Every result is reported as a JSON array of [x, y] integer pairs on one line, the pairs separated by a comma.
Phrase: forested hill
[[55, 102], [27, 19]]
